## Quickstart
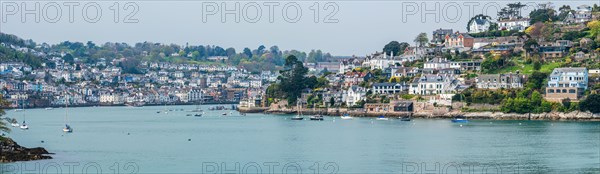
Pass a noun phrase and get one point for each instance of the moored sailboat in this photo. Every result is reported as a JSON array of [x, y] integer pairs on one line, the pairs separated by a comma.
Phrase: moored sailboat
[[299, 116], [24, 125], [67, 128]]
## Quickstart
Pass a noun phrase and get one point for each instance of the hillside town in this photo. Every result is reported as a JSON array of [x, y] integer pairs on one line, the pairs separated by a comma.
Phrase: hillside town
[[517, 63]]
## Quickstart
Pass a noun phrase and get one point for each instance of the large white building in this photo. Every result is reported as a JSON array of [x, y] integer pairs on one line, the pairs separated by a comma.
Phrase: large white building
[[567, 83], [433, 84]]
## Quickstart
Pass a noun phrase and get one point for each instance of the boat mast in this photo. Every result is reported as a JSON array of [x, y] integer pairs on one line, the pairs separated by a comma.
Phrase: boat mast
[[66, 108], [23, 108]]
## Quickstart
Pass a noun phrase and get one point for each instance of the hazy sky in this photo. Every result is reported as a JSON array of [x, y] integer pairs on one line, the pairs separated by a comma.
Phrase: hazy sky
[[350, 27]]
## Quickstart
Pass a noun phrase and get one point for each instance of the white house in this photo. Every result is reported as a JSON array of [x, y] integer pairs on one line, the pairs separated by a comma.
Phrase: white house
[[389, 88], [437, 63], [479, 25], [433, 84], [354, 94], [513, 24]]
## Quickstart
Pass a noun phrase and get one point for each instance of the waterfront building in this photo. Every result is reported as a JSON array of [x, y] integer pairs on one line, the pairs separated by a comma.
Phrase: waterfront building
[[566, 83]]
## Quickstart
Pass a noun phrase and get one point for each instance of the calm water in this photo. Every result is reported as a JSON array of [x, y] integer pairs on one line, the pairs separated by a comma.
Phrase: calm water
[[138, 140]]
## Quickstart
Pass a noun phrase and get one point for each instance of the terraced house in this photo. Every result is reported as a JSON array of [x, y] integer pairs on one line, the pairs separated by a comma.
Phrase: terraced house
[[567, 83], [497, 81]]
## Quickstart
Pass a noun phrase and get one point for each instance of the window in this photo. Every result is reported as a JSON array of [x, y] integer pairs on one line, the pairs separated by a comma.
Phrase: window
[[572, 91], [550, 91], [564, 91]]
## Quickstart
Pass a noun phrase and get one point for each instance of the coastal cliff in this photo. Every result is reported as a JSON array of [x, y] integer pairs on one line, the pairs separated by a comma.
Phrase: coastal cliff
[[10, 151]]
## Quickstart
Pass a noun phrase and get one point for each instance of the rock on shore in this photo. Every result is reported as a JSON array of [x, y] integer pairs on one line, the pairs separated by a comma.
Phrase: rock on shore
[[576, 115], [10, 151]]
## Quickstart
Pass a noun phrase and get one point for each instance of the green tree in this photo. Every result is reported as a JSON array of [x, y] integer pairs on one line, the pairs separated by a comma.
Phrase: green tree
[[421, 39], [3, 125], [292, 79], [248, 52], [542, 15], [536, 80], [591, 103], [68, 58], [395, 47], [331, 102]]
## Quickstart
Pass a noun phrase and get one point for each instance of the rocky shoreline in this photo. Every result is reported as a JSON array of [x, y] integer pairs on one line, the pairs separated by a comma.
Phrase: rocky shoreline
[[10, 151], [571, 116]]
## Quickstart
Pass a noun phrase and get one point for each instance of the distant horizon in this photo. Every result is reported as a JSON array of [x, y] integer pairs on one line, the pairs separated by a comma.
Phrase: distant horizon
[[357, 28]]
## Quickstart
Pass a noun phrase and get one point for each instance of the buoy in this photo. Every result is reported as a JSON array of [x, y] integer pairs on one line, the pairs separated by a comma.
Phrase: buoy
[[128, 134], [42, 141], [189, 139], [461, 125], [519, 123]]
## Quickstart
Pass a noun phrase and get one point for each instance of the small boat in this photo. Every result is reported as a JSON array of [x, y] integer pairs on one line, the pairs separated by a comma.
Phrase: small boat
[[405, 118], [49, 108], [24, 126], [18, 110], [198, 115], [158, 112], [346, 117], [382, 118], [316, 117], [188, 115], [297, 117], [460, 119], [15, 124], [224, 114], [67, 129]]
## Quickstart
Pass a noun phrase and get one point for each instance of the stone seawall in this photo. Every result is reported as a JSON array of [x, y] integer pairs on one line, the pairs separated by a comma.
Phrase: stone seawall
[[575, 116]]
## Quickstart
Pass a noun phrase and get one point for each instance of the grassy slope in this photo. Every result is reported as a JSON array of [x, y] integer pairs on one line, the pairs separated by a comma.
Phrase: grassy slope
[[520, 65]]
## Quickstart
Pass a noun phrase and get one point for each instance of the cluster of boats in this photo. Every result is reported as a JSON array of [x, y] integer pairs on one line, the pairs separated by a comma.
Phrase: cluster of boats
[[218, 108], [458, 119], [25, 126]]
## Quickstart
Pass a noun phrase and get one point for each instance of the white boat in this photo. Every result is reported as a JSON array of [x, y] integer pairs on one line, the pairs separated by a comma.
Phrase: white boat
[[49, 108], [15, 124], [67, 129], [18, 110], [224, 113], [24, 126], [382, 118], [346, 117]]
